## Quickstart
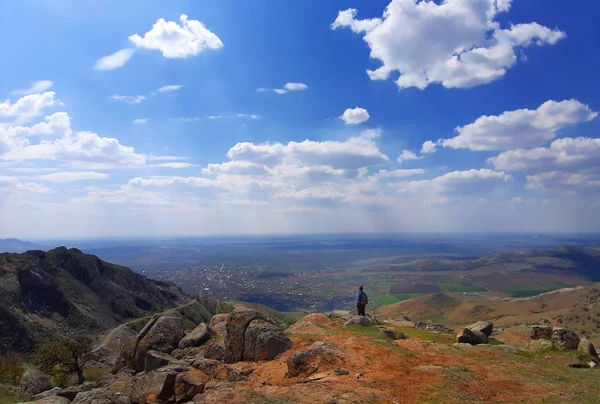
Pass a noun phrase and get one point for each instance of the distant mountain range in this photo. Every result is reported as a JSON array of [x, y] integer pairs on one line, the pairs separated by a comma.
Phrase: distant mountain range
[[15, 245], [64, 291]]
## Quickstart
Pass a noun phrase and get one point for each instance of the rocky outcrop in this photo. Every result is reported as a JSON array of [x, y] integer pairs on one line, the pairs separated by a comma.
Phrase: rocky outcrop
[[587, 348], [473, 337], [432, 327], [218, 319], [541, 332], [565, 338], [362, 321], [155, 360], [196, 337], [49, 400], [484, 326], [156, 386], [309, 362], [263, 341], [251, 337], [100, 396], [67, 392], [313, 324], [34, 382]]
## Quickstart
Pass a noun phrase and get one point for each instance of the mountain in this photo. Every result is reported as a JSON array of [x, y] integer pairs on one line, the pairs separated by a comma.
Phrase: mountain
[[15, 245], [64, 291]]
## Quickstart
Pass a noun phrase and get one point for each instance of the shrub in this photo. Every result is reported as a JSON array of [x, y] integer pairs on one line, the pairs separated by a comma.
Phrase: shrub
[[11, 369], [71, 353], [60, 375], [95, 373]]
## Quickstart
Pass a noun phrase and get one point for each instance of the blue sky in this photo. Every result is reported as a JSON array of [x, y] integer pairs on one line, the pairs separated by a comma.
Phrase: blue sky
[[389, 116]]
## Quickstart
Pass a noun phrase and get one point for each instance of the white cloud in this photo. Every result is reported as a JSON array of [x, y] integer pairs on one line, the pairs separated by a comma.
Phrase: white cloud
[[33, 169], [134, 99], [458, 183], [280, 91], [178, 41], [10, 185], [520, 128], [13, 137], [355, 116], [235, 168], [175, 165], [457, 43], [236, 116], [561, 182], [165, 158], [400, 173], [295, 86], [28, 107], [71, 176], [170, 88], [407, 155], [428, 147], [565, 154], [115, 60], [140, 121], [316, 193], [35, 87], [170, 181]]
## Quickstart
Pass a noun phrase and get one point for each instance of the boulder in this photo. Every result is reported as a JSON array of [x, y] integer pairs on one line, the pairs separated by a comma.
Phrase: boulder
[[160, 334], [67, 392], [484, 326], [264, 341], [196, 337], [340, 314], [218, 319], [219, 329], [432, 327], [308, 362], [362, 321], [155, 360], [468, 336], [392, 333], [565, 338], [34, 382], [588, 349], [237, 323], [100, 396], [49, 400], [156, 386], [188, 384], [541, 332], [215, 351]]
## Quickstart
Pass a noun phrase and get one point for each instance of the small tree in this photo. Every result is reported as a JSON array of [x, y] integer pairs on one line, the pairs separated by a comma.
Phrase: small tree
[[70, 353], [11, 369]]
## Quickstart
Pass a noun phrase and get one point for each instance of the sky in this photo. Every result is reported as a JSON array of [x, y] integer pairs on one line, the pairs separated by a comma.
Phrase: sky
[[181, 118]]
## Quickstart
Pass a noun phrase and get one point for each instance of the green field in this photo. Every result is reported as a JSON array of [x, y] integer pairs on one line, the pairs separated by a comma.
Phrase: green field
[[449, 286], [391, 299]]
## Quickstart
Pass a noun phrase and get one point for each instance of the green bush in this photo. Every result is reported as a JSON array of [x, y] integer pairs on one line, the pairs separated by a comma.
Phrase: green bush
[[11, 369], [60, 375]]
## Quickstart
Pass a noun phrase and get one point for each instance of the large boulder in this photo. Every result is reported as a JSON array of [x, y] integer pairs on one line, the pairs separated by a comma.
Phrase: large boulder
[[219, 329], [264, 341], [565, 338], [218, 319], [196, 337], [67, 392], [156, 386], [484, 326], [49, 400], [541, 332], [362, 321], [188, 384], [587, 348], [309, 362], [34, 382], [433, 327], [237, 323], [155, 360], [473, 337], [100, 396]]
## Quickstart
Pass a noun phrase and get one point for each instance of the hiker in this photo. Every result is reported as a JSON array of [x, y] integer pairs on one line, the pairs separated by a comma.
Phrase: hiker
[[361, 301]]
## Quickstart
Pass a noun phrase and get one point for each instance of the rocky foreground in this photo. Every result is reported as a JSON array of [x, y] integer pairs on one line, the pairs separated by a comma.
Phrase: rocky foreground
[[243, 357]]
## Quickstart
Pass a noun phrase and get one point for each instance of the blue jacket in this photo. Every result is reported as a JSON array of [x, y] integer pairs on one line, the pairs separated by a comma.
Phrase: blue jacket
[[360, 297]]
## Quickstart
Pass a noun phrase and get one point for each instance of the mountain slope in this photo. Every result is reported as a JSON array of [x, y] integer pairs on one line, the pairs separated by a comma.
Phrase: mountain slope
[[64, 291], [15, 245]]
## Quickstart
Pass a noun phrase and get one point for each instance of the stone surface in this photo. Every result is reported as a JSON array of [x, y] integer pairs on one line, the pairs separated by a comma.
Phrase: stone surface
[[484, 326], [363, 321], [34, 382], [587, 348], [539, 345], [432, 327], [308, 362], [541, 332], [67, 392], [237, 322], [468, 336], [189, 384], [50, 400], [100, 396], [219, 329], [196, 337], [565, 338], [264, 341], [218, 319], [155, 360], [156, 386], [392, 333]]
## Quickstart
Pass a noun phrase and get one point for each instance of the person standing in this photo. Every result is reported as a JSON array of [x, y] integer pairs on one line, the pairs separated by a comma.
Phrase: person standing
[[361, 301]]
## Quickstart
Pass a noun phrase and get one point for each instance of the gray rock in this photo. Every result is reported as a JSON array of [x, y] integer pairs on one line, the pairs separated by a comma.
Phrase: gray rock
[[362, 321], [237, 323], [155, 360], [100, 396], [392, 333], [156, 386], [541, 332], [219, 329], [565, 338], [215, 351], [49, 400], [341, 371], [432, 327], [68, 392], [587, 348], [264, 341], [34, 382], [468, 336], [196, 337], [187, 385], [484, 326], [218, 319]]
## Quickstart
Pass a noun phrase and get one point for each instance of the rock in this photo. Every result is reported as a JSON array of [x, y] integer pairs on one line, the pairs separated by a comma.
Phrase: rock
[[341, 371], [587, 348], [362, 321], [49, 400], [237, 322], [484, 326], [219, 329], [541, 332], [306, 328], [68, 392], [100, 396], [308, 362], [196, 337], [340, 314], [210, 367], [34, 382], [158, 385], [468, 336], [432, 327], [218, 319], [565, 338], [539, 345], [160, 334], [392, 333], [155, 360], [264, 341], [215, 351], [189, 384]]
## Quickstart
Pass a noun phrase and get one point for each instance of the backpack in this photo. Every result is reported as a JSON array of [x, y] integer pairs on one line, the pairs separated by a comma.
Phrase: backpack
[[365, 299]]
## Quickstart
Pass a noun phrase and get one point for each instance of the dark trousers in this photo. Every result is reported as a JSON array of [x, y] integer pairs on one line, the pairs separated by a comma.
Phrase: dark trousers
[[361, 309]]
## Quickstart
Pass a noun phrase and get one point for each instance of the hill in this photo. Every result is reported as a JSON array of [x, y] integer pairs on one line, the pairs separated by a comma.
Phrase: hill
[[15, 245], [64, 291]]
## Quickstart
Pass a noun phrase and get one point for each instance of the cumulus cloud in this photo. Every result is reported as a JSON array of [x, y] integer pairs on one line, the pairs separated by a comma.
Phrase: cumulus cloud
[[561, 182], [236, 116], [400, 173], [295, 86], [428, 147], [235, 168], [353, 116], [457, 43], [28, 107], [35, 87], [170, 181], [174, 165], [71, 176], [135, 99], [176, 41], [521, 128], [10, 185], [458, 183], [140, 121], [170, 88], [407, 155], [115, 60]]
